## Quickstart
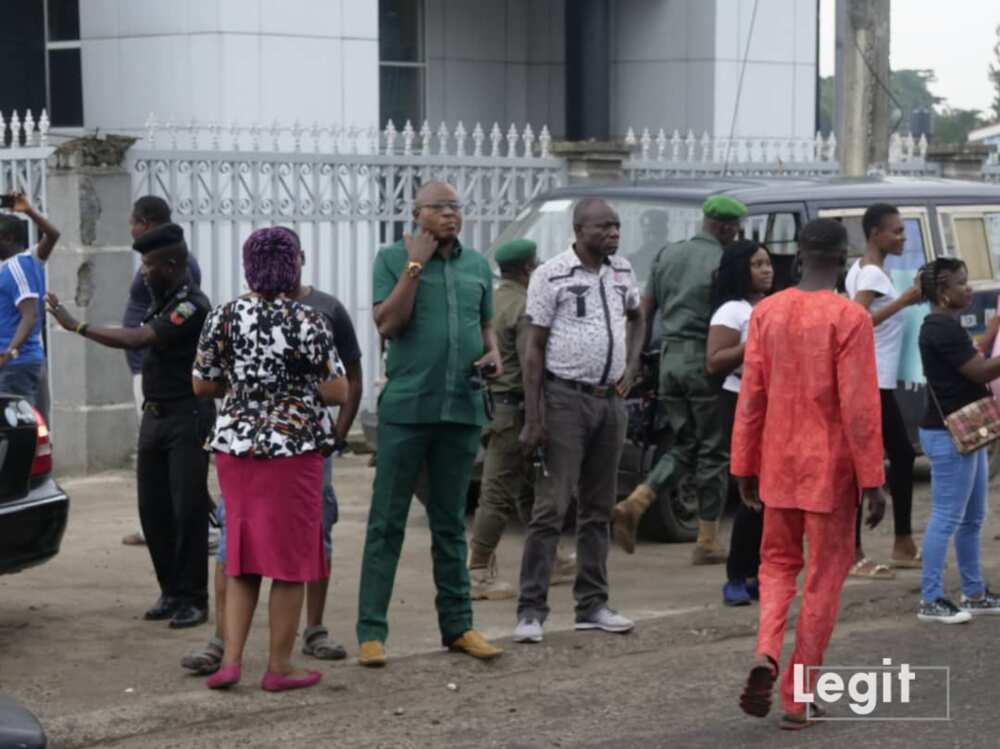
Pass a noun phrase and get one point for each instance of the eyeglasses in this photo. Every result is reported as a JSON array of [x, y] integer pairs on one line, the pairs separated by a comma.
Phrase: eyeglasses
[[442, 206]]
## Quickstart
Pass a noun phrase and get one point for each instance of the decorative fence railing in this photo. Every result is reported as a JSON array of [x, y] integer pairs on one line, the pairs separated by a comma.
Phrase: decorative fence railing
[[991, 167], [661, 155], [345, 192], [24, 153]]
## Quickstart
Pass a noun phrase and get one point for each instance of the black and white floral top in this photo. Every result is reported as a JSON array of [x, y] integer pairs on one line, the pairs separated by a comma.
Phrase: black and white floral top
[[273, 355]]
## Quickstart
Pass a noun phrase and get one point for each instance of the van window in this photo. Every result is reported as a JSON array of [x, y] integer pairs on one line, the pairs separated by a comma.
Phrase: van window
[[779, 231], [973, 234], [647, 226], [914, 250]]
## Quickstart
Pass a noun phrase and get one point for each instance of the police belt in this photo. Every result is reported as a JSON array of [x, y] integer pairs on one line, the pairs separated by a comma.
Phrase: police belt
[[598, 391], [684, 345], [161, 409]]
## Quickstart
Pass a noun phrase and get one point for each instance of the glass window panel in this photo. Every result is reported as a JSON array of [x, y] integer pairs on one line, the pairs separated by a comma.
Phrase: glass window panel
[[914, 252], [973, 247], [64, 20], [401, 95], [65, 88], [399, 30], [647, 227], [22, 58]]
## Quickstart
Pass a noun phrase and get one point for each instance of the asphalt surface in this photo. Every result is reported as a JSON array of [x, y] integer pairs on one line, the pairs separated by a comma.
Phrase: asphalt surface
[[74, 649]]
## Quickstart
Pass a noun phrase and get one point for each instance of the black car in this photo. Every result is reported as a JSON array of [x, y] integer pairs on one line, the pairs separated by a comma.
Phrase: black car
[[33, 508]]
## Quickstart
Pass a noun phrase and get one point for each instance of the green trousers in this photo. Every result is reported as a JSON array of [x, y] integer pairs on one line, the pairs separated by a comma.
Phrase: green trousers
[[508, 481], [691, 402], [448, 451]]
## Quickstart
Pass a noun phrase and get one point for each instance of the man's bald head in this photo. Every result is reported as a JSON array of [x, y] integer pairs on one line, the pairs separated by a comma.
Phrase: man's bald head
[[437, 209], [597, 226]]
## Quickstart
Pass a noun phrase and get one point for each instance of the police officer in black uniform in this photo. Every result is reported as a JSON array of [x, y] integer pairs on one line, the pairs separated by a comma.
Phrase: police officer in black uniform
[[173, 464]]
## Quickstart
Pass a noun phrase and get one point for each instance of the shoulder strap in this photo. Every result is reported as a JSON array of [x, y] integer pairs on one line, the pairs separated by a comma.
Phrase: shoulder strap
[[937, 404]]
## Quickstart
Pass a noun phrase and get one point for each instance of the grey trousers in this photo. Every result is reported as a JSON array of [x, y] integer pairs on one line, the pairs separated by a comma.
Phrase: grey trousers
[[586, 435]]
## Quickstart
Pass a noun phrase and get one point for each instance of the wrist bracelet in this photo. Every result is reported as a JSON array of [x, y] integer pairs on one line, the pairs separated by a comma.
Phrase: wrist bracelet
[[81, 329]]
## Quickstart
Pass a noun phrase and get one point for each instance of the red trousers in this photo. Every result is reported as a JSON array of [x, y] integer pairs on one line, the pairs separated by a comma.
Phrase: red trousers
[[830, 539]]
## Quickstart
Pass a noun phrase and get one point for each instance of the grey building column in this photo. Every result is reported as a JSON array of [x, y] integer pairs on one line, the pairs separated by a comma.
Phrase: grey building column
[[92, 413], [588, 70]]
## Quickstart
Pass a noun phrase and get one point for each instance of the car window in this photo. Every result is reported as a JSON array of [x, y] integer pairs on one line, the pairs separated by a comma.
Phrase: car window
[[647, 226], [973, 234], [914, 251]]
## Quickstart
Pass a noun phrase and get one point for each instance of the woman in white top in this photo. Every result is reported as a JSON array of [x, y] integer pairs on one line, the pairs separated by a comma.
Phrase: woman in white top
[[869, 285], [745, 277]]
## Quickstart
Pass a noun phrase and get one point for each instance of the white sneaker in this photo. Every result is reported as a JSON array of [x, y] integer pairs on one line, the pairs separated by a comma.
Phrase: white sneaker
[[608, 620], [528, 630]]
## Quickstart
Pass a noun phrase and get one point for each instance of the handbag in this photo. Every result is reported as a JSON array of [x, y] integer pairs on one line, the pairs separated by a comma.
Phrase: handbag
[[972, 426]]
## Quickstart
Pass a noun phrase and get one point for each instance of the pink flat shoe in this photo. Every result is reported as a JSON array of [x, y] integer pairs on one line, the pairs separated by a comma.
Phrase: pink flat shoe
[[224, 678], [273, 682]]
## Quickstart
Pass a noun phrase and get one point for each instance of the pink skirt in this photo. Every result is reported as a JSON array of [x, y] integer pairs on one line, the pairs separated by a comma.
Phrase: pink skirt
[[274, 516]]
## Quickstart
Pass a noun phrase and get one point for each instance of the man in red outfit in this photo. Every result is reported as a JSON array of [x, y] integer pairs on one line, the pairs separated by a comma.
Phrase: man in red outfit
[[807, 443]]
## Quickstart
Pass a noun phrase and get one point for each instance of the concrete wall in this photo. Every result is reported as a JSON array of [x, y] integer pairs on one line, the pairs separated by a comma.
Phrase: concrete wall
[[93, 413], [225, 60]]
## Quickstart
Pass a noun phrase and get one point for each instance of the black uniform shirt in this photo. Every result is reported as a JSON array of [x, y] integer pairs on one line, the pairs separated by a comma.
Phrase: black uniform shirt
[[166, 365]]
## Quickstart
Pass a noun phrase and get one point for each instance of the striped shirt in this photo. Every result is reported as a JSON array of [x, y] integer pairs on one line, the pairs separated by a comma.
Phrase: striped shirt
[[22, 277]]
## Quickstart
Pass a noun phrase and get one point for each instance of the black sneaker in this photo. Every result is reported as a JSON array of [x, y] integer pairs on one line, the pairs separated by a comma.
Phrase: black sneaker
[[942, 610], [988, 604]]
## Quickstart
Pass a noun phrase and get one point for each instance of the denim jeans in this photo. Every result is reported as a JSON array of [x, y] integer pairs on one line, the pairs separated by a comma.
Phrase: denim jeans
[[23, 380], [959, 484]]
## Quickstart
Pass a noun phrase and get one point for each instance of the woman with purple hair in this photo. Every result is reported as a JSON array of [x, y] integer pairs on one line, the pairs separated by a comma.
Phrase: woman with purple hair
[[273, 362]]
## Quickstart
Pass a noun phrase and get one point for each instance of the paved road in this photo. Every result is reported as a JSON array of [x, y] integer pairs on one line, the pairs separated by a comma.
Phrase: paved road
[[73, 648]]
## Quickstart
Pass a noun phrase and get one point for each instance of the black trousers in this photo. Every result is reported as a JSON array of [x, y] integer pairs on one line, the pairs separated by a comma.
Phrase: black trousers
[[748, 526], [173, 496], [899, 477]]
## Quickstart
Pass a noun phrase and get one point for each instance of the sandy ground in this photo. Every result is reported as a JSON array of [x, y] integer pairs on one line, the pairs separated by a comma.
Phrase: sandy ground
[[73, 646]]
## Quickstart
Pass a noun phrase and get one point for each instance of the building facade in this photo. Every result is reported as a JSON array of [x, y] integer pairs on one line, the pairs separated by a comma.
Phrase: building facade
[[673, 64]]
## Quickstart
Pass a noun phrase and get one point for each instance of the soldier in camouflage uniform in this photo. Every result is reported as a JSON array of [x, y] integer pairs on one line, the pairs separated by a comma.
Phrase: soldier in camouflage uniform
[[680, 287], [508, 476]]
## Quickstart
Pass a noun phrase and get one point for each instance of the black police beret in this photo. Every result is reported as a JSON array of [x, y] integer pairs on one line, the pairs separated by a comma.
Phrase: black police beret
[[159, 238]]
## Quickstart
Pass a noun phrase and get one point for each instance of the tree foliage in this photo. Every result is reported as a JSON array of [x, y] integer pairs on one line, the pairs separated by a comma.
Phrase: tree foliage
[[995, 76], [910, 92]]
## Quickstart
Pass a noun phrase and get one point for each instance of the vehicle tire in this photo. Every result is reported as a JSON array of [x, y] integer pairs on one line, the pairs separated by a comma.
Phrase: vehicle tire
[[673, 517]]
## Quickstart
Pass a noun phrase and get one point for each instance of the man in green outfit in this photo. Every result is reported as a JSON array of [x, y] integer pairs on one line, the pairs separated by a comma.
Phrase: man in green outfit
[[680, 287], [433, 303], [508, 475]]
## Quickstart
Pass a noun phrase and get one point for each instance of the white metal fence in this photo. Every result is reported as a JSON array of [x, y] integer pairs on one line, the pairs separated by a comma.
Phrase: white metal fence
[[661, 155], [24, 153], [346, 192]]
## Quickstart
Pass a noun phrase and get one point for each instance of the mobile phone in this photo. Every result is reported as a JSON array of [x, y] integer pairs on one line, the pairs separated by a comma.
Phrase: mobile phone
[[7, 201]]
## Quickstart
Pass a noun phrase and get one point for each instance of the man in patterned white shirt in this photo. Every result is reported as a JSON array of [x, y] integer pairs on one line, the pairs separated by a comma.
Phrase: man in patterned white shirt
[[582, 355]]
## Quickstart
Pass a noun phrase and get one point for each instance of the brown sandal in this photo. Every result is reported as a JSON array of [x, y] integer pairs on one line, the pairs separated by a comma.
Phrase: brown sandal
[[756, 697]]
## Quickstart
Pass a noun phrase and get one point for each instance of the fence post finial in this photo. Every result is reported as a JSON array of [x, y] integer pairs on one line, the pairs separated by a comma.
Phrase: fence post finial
[[408, 135], [478, 136], [529, 141], [495, 137], [544, 141], [512, 141], [442, 136], [460, 136]]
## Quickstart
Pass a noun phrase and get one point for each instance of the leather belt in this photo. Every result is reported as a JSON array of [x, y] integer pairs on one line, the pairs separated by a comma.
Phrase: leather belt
[[598, 391], [165, 408]]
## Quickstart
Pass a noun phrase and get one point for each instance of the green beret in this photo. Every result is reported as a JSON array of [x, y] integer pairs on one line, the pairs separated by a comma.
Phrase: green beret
[[515, 251], [724, 208]]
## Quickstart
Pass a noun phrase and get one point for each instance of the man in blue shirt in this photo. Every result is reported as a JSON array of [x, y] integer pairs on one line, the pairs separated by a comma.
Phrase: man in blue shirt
[[22, 289]]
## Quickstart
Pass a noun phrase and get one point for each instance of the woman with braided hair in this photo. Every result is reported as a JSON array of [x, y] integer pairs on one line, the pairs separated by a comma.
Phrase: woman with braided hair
[[956, 376]]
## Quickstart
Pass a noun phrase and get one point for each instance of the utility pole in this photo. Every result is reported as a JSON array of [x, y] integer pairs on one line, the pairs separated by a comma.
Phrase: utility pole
[[861, 102]]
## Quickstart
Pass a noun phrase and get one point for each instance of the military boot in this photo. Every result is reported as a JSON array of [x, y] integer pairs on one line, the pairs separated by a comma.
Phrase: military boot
[[564, 569], [707, 549], [626, 515], [483, 582]]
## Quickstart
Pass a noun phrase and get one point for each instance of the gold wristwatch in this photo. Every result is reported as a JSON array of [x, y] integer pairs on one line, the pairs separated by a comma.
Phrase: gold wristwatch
[[413, 268]]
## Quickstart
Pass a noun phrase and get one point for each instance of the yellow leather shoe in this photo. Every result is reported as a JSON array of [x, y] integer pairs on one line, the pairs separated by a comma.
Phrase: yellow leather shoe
[[474, 644], [372, 654]]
